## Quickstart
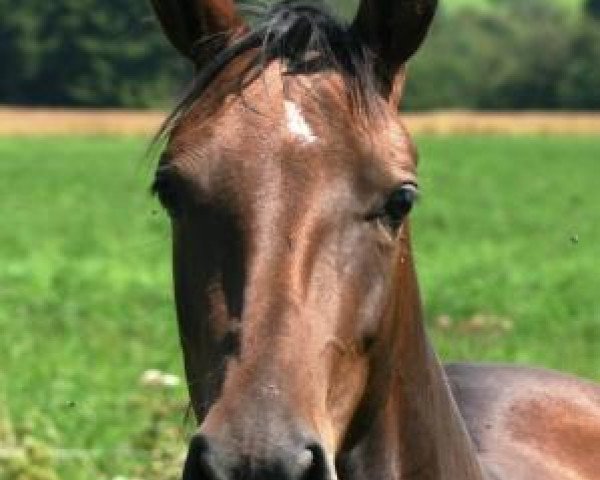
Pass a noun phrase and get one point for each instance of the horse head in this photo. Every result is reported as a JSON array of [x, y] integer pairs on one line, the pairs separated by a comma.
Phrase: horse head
[[289, 178]]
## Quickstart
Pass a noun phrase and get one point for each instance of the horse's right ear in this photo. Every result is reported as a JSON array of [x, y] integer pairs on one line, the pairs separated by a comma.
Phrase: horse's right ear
[[393, 30], [187, 23]]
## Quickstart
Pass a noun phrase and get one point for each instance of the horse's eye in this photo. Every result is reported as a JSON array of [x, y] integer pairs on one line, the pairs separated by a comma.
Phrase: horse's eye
[[397, 206], [166, 190], [400, 202]]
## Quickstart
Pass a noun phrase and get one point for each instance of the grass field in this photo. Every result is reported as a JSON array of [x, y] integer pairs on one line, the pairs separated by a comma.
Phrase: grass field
[[507, 236]]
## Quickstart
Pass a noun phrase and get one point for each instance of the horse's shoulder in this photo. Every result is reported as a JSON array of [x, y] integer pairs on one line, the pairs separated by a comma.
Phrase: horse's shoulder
[[530, 422]]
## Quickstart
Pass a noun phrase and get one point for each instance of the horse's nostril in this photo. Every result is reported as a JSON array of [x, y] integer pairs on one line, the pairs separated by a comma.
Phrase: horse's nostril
[[197, 465], [209, 459], [314, 463]]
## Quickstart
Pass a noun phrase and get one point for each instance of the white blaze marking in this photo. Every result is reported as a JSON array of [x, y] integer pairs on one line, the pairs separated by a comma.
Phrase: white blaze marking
[[297, 124]]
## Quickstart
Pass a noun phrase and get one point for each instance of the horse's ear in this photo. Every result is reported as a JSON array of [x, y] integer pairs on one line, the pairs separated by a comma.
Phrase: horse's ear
[[393, 30], [187, 23]]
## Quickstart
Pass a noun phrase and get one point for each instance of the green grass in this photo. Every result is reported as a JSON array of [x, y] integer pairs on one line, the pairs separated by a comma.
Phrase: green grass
[[85, 297], [508, 227]]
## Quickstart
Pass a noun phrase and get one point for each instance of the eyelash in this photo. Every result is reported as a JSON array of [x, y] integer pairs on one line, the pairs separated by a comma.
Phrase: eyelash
[[165, 190]]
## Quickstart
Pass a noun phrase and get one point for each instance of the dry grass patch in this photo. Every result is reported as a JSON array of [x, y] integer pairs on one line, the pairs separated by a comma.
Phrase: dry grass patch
[[551, 123], [44, 122]]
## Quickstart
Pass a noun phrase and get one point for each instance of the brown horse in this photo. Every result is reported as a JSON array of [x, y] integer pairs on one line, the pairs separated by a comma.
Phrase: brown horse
[[289, 178]]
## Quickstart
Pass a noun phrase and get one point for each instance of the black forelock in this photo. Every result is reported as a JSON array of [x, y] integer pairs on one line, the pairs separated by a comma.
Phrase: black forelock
[[303, 34]]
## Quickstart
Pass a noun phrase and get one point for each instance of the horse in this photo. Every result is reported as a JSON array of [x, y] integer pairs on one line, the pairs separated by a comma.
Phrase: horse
[[289, 179]]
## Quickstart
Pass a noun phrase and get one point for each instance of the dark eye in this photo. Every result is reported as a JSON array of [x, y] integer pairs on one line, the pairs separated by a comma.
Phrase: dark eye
[[165, 188], [397, 206], [400, 202]]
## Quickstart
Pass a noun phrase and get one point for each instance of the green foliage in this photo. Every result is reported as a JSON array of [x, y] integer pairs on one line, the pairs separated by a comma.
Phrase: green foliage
[[579, 85], [521, 55], [496, 54], [567, 5], [84, 52], [592, 9]]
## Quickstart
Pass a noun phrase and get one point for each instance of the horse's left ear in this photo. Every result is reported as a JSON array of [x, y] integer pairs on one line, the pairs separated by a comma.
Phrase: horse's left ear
[[393, 30], [188, 23]]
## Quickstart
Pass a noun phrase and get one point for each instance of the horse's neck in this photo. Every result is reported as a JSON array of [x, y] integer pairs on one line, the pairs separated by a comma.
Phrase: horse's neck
[[433, 443], [421, 434]]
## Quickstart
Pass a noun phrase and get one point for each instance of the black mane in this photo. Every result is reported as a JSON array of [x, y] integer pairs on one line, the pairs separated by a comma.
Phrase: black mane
[[304, 35]]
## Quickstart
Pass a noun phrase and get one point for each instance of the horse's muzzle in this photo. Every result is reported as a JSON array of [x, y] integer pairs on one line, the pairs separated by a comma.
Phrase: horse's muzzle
[[208, 460]]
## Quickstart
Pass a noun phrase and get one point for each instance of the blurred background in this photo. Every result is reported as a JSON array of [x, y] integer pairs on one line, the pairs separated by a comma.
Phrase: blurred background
[[504, 104], [492, 54]]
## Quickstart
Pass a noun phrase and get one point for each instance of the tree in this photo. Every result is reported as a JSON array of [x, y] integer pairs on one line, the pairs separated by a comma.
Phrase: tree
[[514, 54], [84, 52], [578, 88], [592, 9]]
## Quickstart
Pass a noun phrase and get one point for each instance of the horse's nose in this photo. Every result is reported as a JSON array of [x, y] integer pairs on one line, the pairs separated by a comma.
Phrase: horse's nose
[[208, 461]]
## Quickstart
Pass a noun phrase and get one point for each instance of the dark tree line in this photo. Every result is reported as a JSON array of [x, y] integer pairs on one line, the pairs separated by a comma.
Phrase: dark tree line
[[592, 9], [520, 54], [84, 52]]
